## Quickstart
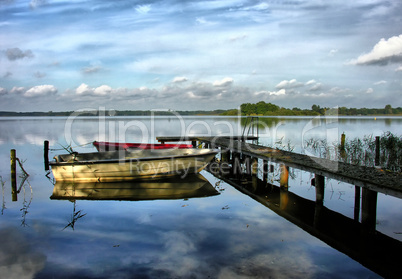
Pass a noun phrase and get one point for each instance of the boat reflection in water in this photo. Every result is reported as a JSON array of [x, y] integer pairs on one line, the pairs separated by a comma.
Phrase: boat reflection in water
[[192, 186]]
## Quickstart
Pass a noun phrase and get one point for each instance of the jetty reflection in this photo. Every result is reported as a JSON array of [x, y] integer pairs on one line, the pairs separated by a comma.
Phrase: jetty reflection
[[359, 240], [191, 186]]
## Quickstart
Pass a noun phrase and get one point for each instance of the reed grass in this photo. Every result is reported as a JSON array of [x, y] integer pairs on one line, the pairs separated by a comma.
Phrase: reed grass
[[362, 151]]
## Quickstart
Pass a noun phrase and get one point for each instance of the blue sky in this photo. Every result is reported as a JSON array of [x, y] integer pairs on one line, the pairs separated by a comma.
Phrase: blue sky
[[199, 55]]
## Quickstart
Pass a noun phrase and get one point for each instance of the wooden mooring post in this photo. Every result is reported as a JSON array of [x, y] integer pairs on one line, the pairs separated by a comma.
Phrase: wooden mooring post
[[46, 154], [13, 161], [343, 138]]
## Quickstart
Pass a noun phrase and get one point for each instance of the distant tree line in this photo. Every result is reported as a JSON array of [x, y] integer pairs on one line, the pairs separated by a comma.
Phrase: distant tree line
[[387, 110], [269, 109]]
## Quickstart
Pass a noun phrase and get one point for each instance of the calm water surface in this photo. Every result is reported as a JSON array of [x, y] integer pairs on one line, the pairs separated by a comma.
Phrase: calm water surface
[[229, 235]]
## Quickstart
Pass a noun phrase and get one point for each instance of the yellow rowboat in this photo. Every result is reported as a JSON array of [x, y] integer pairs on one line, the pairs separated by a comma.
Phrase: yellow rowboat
[[135, 164]]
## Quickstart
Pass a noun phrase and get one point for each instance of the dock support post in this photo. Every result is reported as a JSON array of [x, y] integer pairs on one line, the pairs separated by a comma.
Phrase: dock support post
[[13, 159], [46, 154], [369, 209], [265, 169], [284, 177], [319, 188], [357, 203]]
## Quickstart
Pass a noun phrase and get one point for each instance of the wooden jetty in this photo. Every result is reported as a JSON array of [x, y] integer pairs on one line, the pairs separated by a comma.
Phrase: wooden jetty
[[234, 149]]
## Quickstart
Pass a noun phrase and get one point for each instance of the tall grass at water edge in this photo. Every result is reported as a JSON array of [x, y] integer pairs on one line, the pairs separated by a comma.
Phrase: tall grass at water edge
[[361, 151]]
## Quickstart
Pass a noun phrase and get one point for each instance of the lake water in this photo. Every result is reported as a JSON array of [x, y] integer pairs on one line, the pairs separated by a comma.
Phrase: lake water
[[226, 234]]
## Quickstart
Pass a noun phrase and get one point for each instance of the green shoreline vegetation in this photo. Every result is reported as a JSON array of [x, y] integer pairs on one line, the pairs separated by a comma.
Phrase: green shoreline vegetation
[[258, 109]]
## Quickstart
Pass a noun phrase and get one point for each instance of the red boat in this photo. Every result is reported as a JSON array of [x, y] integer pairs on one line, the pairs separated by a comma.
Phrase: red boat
[[110, 146]]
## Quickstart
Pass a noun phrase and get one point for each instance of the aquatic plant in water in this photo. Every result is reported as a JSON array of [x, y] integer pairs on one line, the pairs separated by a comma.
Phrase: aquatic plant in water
[[362, 152], [391, 151]]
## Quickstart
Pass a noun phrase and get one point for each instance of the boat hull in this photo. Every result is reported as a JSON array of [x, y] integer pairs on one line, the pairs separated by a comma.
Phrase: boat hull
[[124, 165]]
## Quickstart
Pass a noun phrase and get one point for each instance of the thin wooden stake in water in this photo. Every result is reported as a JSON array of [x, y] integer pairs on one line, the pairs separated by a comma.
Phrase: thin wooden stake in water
[[343, 138], [13, 159], [46, 154]]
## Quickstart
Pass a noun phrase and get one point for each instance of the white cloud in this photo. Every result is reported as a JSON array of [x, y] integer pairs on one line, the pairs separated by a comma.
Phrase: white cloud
[[399, 69], [103, 90], [275, 93], [3, 91], [287, 84], [91, 69], [83, 89], [203, 21], [369, 90], [143, 9], [384, 52], [279, 92], [261, 7], [380, 82], [41, 90], [179, 79], [17, 90], [37, 3], [191, 95], [314, 85], [224, 82]]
